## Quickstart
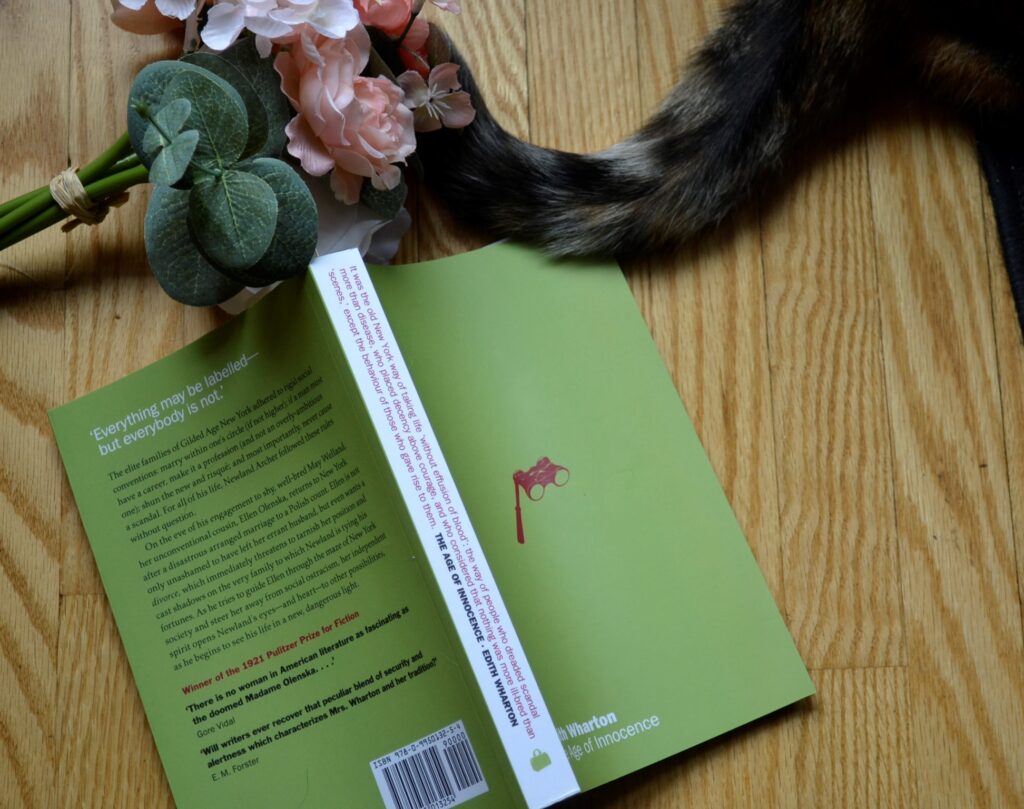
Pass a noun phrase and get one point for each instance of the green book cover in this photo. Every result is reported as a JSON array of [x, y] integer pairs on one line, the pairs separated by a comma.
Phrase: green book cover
[[481, 558]]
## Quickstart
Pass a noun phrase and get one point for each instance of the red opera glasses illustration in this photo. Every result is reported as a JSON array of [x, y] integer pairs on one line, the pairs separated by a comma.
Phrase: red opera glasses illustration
[[534, 482]]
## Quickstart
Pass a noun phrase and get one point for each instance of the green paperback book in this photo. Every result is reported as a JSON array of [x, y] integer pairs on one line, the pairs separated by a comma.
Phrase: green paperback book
[[422, 536]]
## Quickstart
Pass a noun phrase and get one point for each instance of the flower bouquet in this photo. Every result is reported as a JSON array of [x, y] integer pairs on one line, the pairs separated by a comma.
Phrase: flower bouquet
[[339, 87]]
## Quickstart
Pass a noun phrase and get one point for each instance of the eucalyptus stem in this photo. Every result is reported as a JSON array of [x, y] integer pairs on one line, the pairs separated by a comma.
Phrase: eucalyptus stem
[[28, 208], [116, 183], [118, 149], [99, 190], [17, 202], [37, 202]]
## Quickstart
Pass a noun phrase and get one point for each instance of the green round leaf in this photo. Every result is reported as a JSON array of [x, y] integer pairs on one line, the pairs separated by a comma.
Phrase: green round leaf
[[295, 235], [233, 217], [218, 114], [146, 100], [172, 162], [267, 85], [173, 115], [254, 107], [179, 266], [386, 204], [166, 124]]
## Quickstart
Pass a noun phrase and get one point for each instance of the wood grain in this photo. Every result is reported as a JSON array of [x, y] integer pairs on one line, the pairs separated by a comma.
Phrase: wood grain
[[1010, 359], [962, 611], [31, 380], [845, 344], [108, 757], [836, 500], [853, 742]]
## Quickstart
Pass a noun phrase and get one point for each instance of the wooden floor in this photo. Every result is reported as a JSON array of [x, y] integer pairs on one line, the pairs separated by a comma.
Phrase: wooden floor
[[846, 345]]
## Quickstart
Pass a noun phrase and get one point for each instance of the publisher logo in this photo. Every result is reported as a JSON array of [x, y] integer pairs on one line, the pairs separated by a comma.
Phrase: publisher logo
[[540, 760]]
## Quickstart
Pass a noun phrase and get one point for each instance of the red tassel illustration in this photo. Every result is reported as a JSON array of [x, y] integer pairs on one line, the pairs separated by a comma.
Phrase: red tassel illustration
[[535, 481]]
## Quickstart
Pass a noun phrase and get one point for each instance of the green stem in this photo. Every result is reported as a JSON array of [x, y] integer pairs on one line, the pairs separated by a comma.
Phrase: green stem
[[29, 206], [99, 190], [37, 202], [17, 202], [118, 149], [116, 183], [125, 163]]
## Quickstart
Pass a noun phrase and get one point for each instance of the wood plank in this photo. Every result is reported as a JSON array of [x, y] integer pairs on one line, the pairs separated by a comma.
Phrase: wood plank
[[964, 642], [118, 318], [565, 111], [832, 439], [1010, 358], [31, 381], [854, 748], [108, 757]]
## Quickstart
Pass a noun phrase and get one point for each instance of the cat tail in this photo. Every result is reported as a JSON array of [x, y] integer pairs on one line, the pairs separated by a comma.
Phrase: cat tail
[[765, 80]]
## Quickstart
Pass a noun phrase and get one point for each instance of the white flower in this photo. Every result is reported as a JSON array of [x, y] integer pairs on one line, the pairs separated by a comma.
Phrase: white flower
[[276, 20]]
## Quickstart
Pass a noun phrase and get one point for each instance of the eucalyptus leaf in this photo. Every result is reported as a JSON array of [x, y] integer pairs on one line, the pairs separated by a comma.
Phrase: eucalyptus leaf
[[172, 116], [295, 235], [254, 109], [146, 99], [267, 85], [166, 124], [233, 217], [386, 204], [218, 114], [172, 162], [180, 268]]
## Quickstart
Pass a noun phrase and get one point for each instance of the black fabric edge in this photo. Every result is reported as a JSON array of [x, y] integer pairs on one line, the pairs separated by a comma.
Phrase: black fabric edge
[[1002, 159]]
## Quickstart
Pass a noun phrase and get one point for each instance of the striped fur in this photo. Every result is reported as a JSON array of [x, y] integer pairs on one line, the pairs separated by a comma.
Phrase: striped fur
[[768, 79]]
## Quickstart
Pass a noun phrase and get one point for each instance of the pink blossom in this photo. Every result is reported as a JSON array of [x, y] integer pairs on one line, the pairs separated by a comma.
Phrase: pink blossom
[[351, 126], [448, 5], [150, 16], [277, 20], [438, 101], [390, 16]]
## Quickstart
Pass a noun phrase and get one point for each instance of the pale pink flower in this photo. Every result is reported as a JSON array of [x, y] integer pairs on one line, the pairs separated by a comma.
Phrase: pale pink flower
[[380, 132], [438, 101], [390, 16], [150, 16], [277, 21], [448, 5], [351, 126]]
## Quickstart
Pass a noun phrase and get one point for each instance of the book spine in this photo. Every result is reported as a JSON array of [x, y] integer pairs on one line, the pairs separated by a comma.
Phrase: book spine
[[445, 532]]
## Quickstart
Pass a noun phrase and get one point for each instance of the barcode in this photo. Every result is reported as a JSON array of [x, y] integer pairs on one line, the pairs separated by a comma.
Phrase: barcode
[[439, 770], [463, 764]]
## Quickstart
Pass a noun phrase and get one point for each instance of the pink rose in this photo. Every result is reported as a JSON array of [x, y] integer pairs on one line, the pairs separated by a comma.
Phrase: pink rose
[[379, 133], [390, 16], [351, 126]]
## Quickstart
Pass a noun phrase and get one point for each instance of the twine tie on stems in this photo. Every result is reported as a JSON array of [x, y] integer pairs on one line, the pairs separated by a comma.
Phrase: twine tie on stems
[[69, 193]]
